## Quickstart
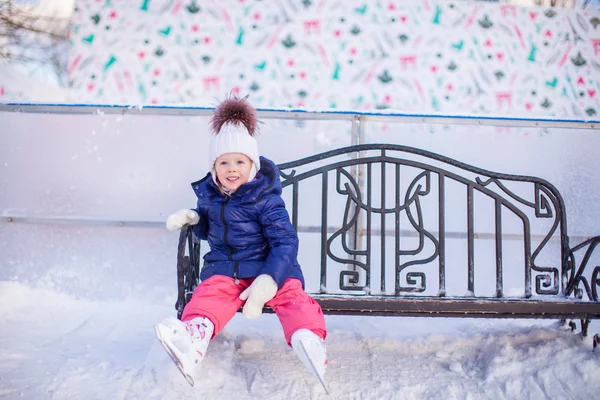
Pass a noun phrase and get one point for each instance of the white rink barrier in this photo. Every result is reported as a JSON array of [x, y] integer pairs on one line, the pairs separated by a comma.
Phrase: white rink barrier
[[104, 178]]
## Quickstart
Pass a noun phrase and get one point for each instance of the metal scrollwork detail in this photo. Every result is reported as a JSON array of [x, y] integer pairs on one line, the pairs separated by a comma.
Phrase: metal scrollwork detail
[[547, 283], [354, 204], [595, 283], [417, 282], [543, 202], [289, 175], [577, 283], [353, 280], [590, 288]]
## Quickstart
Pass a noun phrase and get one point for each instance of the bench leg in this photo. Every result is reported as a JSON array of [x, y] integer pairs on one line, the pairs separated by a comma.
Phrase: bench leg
[[585, 323]]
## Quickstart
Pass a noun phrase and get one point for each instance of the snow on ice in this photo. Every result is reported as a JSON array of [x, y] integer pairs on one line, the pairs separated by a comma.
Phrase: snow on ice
[[56, 346]]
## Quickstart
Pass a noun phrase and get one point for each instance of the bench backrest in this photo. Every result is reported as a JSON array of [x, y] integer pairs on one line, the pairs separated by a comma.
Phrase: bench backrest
[[394, 220]]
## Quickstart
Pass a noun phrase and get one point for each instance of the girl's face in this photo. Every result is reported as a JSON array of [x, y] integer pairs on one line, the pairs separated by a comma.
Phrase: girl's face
[[233, 170]]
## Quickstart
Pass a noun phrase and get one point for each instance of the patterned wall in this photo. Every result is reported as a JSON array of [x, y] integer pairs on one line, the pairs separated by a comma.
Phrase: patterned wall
[[424, 56]]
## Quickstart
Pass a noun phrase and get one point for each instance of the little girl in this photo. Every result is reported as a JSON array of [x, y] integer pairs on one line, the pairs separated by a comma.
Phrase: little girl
[[253, 250]]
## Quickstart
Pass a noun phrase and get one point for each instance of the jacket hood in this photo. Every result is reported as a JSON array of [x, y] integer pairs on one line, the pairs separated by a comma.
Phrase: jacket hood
[[267, 181]]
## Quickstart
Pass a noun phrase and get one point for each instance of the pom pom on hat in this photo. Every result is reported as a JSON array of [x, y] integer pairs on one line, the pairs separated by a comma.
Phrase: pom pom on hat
[[234, 125], [234, 111]]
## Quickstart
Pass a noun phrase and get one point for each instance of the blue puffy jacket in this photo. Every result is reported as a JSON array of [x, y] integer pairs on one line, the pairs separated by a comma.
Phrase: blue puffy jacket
[[249, 233]]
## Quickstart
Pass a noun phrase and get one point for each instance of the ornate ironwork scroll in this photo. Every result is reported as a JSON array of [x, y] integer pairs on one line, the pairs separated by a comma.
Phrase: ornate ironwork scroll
[[573, 278], [349, 280], [544, 202], [576, 284], [419, 187], [188, 268]]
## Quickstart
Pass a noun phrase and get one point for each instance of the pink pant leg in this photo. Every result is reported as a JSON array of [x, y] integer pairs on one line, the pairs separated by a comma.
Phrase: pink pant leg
[[297, 310], [217, 299]]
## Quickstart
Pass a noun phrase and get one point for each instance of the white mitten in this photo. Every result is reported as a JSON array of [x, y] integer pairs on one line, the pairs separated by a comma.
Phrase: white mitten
[[257, 294], [182, 217]]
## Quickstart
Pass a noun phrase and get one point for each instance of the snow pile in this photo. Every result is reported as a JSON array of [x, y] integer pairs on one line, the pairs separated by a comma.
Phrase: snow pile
[[53, 346]]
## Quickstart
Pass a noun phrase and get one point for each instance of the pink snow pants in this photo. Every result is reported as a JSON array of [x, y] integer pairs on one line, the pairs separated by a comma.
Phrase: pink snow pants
[[217, 299]]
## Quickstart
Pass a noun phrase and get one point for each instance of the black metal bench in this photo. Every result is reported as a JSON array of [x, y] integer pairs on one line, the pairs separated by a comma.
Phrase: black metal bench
[[448, 239]]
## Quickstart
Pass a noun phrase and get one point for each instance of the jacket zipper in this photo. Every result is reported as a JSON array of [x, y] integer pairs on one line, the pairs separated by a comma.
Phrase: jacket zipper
[[226, 230], [235, 273]]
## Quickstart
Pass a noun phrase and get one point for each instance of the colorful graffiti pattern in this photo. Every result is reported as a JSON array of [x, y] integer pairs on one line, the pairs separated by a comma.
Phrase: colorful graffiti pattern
[[424, 56]]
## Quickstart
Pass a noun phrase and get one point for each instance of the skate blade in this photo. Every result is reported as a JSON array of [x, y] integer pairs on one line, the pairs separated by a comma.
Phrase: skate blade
[[321, 378], [187, 376]]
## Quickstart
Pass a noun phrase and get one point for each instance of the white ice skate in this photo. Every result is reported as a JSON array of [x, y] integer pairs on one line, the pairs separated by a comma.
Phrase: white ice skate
[[311, 350], [185, 342]]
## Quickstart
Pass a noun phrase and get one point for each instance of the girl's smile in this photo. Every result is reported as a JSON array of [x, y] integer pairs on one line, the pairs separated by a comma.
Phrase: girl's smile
[[233, 170]]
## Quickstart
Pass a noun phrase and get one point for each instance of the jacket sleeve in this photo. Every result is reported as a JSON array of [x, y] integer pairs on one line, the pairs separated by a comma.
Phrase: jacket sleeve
[[282, 240], [201, 228]]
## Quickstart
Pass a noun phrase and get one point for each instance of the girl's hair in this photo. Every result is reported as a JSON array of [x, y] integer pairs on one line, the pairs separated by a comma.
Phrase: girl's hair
[[222, 188]]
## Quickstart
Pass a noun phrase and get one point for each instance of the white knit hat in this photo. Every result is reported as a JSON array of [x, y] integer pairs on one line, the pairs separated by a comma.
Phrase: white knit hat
[[234, 125]]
